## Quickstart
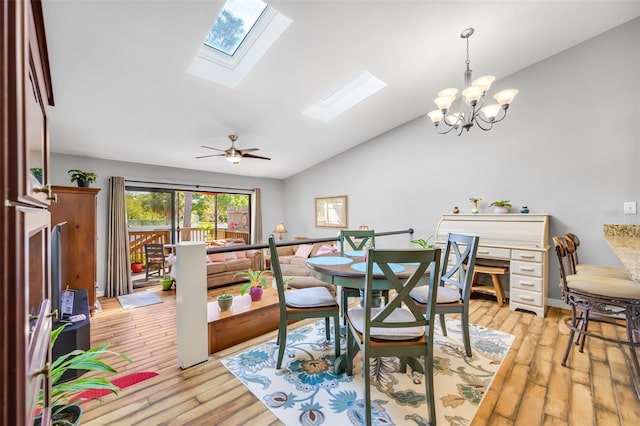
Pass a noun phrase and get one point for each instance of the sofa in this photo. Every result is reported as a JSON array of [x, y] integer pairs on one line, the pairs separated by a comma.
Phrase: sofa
[[293, 263], [223, 267]]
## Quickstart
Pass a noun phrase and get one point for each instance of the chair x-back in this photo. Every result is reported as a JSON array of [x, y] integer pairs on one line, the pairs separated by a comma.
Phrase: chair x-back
[[303, 303], [399, 328]]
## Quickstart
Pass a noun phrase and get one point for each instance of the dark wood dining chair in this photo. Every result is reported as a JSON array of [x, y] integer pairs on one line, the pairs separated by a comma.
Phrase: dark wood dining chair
[[400, 327], [303, 303], [455, 283], [155, 260]]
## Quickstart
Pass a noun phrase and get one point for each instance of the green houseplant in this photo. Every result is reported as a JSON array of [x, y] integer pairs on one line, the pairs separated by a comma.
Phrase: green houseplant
[[65, 406], [257, 281], [501, 206], [82, 178], [427, 244], [224, 301], [167, 283]]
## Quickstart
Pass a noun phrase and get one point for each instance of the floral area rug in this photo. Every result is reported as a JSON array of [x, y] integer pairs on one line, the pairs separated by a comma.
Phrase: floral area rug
[[306, 391]]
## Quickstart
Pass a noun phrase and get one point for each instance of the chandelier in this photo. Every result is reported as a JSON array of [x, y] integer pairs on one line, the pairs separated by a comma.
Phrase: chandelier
[[474, 111]]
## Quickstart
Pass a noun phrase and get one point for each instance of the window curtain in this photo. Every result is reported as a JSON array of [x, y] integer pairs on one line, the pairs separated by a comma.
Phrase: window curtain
[[257, 216], [118, 262]]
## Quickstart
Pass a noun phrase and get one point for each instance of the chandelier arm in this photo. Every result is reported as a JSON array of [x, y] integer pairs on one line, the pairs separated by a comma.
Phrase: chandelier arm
[[446, 131], [504, 114], [478, 120]]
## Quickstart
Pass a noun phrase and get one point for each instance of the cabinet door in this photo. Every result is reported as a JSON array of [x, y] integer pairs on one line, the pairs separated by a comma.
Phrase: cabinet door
[[33, 175]]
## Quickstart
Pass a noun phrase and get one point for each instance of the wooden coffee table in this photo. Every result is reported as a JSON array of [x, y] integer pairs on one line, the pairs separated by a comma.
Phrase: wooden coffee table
[[231, 329]]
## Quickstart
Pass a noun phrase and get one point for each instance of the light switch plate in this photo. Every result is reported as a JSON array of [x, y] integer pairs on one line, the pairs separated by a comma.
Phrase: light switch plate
[[630, 207]]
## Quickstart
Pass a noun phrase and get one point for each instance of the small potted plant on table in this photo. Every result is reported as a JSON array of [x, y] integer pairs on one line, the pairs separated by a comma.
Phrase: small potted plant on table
[[224, 301], [501, 206], [257, 281]]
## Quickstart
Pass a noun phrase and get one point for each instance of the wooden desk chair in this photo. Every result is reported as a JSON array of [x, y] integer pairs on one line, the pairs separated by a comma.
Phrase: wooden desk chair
[[455, 284], [610, 298], [395, 330], [155, 260], [310, 302]]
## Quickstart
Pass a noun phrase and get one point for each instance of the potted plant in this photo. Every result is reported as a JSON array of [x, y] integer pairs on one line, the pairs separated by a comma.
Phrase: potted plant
[[167, 283], [426, 244], [257, 281], [224, 301], [136, 263], [65, 409], [501, 206], [82, 178]]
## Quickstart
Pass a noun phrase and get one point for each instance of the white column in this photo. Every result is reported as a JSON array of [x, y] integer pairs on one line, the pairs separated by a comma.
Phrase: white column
[[191, 300]]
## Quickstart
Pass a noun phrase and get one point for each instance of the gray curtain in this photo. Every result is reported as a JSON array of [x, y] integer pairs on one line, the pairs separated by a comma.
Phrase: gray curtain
[[257, 216], [118, 262]]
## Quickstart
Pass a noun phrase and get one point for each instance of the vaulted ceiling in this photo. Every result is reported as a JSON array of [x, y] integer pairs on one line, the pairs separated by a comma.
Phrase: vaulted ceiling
[[122, 91]]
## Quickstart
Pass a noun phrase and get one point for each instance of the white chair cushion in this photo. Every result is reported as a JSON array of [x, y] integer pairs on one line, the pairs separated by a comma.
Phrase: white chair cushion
[[445, 294], [605, 287], [605, 271], [356, 316], [311, 297]]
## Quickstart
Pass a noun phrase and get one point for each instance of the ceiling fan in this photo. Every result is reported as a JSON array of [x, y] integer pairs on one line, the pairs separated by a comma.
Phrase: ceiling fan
[[233, 154]]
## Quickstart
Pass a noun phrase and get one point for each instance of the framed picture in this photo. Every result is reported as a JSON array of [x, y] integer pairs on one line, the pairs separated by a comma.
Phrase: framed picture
[[331, 212]]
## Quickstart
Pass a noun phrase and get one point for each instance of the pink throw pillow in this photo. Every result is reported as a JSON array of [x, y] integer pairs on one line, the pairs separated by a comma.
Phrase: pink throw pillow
[[241, 254], [326, 249], [230, 255], [216, 257]]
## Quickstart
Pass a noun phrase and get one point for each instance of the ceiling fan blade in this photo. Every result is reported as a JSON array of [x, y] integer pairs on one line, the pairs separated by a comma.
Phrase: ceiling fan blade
[[210, 147], [255, 156], [243, 151], [212, 155]]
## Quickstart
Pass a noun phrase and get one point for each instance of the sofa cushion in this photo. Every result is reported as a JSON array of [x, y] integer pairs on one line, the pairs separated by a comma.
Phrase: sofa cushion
[[295, 270], [230, 255], [216, 257], [216, 267], [238, 264], [304, 250]]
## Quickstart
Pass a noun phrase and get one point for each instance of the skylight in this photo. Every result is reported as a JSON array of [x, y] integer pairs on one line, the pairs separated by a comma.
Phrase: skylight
[[233, 24], [346, 96], [230, 50]]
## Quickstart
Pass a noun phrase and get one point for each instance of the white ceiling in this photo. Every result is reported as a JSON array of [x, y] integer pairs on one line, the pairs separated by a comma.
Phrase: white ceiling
[[122, 91]]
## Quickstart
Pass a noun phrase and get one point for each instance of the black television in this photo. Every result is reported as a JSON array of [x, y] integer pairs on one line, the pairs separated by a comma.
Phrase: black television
[[59, 273]]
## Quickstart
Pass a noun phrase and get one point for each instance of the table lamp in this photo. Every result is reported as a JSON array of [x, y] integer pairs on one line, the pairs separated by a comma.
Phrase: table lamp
[[280, 229]]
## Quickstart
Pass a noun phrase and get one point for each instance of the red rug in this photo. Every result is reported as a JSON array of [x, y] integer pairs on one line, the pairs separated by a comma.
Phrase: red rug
[[121, 382]]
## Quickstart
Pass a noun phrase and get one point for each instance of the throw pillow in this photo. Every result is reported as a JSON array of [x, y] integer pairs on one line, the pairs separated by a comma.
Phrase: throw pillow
[[241, 254], [231, 255], [216, 257], [326, 249], [304, 250]]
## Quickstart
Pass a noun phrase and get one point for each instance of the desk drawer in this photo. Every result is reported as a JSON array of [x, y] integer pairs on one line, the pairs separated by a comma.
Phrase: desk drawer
[[526, 268], [527, 255], [494, 253], [526, 297], [525, 282]]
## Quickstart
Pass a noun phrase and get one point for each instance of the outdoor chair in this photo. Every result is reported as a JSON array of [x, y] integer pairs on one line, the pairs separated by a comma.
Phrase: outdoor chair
[[399, 328], [303, 303], [155, 260], [455, 283]]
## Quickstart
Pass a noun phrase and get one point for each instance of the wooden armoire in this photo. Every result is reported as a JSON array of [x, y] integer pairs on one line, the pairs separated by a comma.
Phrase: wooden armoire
[[78, 207], [25, 308]]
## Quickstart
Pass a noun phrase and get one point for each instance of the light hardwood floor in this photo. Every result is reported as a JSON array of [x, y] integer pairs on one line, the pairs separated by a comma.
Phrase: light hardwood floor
[[531, 388]]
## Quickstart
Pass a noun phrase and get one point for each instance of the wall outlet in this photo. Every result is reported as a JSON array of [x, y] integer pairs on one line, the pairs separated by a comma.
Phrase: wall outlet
[[630, 207]]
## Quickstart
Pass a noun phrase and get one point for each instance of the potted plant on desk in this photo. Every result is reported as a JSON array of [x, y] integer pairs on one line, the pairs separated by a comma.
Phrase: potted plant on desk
[[257, 281], [65, 409]]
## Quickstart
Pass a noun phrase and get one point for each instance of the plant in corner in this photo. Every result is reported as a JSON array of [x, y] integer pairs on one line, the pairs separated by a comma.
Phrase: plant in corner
[[257, 281], [82, 178], [427, 244], [501, 206], [65, 409]]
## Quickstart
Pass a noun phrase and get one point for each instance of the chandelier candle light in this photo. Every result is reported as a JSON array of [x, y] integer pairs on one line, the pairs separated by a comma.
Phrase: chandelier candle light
[[474, 102]]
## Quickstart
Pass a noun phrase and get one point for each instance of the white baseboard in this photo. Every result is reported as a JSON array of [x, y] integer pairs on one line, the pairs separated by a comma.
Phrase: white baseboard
[[100, 293]]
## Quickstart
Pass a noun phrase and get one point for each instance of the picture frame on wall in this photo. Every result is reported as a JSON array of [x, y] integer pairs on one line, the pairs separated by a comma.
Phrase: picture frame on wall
[[331, 212]]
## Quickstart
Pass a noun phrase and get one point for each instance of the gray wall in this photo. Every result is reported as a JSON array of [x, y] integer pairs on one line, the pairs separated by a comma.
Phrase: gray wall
[[272, 190], [569, 148]]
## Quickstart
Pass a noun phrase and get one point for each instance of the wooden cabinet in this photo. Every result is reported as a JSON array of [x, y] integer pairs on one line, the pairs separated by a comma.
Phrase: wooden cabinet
[[26, 97], [78, 207]]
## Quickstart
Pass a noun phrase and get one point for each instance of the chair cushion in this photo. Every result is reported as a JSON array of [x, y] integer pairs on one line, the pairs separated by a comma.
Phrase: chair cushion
[[605, 271], [445, 294], [306, 282], [356, 317], [606, 287], [310, 297]]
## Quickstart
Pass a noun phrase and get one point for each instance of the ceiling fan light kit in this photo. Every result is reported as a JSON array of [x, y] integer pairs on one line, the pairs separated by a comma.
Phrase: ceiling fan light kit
[[473, 108], [232, 154]]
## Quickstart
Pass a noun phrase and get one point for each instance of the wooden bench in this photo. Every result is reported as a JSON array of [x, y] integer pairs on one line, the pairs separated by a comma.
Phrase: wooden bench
[[495, 272]]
